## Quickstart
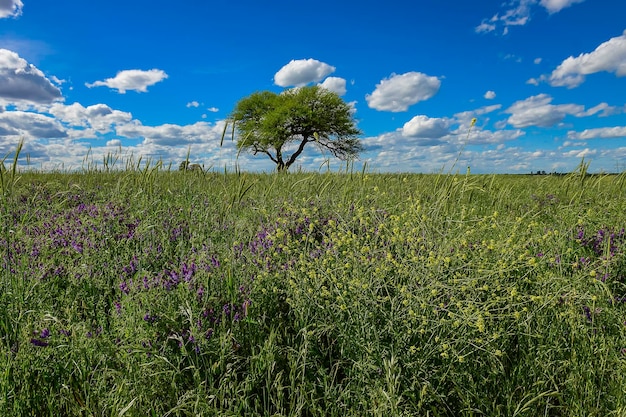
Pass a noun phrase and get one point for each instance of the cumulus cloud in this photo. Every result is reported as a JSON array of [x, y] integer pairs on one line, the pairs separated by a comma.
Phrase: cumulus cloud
[[537, 111], [213, 109], [518, 13], [193, 104], [425, 127], [398, 92], [31, 124], [601, 132], [10, 8], [23, 82], [610, 56], [133, 80], [98, 118], [335, 84], [298, 73], [490, 95]]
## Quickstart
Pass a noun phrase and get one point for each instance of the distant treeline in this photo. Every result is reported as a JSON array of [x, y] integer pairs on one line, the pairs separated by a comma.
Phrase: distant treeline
[[568, 173]]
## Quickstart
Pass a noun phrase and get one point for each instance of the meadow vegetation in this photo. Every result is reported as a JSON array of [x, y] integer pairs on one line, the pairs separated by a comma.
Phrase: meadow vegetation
[[176, 293]]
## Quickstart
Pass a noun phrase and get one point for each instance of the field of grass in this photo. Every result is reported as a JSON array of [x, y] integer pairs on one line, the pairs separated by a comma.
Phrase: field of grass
[[155, 293]]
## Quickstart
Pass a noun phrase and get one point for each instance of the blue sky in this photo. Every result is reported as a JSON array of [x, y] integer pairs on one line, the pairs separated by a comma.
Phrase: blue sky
[[546, 79]]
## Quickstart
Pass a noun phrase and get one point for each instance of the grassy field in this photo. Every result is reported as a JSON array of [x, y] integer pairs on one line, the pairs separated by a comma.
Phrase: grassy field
[[147, 292]]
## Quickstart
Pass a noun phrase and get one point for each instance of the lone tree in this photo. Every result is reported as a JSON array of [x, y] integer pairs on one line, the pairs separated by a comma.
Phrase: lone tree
[[269, 122]]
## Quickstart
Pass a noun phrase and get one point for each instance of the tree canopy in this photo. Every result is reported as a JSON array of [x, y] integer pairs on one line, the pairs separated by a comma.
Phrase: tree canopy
[[270, 123]]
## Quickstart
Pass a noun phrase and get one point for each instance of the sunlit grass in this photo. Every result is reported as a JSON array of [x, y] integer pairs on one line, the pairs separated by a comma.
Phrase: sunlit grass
[[149, 291]]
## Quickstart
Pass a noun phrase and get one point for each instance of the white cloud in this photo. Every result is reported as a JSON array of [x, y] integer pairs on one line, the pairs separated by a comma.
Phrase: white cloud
[[484, 137], [537, 61], [398, 92], [56, 80], [468, 115], [134, 80], [21, 82], [170, 134], [537, 111], [114, 142], [554, 6], [425, 127], [301, 72], [213, 109], [464, 119], [601, 132], [485, 27], [193, 104], [31, 125], [610, 56], [10, 8], [518, 13], [490, 95], [98, 118], [604, 109], [395, 152], [580, 153], [335, 84]]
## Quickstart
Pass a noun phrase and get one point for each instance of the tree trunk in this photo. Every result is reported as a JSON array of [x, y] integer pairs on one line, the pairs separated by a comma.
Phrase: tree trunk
[[280, 164]]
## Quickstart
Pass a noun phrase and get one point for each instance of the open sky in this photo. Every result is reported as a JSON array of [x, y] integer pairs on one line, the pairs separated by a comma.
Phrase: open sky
[[546, 79]]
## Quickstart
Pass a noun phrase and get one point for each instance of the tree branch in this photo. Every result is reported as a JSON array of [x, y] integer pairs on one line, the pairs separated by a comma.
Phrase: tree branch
[[297, 153], [256, 149]]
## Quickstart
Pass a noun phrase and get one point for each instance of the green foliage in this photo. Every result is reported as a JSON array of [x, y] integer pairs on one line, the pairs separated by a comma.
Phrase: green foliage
[[136, 293], [268, 123]]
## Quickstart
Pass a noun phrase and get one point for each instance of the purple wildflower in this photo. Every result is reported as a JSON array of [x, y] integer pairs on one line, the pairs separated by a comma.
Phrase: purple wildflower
[[38, 342], [188, 271], [124, 287]]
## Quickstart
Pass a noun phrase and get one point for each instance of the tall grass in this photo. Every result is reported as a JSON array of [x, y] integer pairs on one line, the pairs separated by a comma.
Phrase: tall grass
[[156, 292]]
